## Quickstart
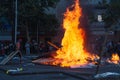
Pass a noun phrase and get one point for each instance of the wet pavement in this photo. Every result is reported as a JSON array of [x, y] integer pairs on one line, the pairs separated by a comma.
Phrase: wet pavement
[[14, 70]]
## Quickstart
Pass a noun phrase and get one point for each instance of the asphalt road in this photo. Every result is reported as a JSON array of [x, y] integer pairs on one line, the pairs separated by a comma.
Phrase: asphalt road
[[32, 71]]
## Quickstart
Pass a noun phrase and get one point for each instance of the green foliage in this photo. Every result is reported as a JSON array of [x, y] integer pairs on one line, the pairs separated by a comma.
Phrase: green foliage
[[113, 12], [104, 2], [115, 7], [3, 10], [28, 8], [31, 13]]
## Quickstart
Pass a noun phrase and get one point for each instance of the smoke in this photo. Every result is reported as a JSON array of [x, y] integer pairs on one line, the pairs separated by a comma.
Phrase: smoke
[[61, 8]]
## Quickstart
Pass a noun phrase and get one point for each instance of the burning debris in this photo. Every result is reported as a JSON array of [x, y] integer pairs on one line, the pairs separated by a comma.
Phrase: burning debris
[[115, 59], [106, 74], [72, 53]]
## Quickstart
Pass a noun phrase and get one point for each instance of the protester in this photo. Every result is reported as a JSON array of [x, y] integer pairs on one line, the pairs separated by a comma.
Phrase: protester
[[110, 46], [11, 47], [35, 44], [118, 48], [18, 45], [27, 48], [2, 49]]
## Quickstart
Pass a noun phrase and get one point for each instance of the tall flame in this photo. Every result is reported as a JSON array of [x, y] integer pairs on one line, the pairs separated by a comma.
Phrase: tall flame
[[72, 51]]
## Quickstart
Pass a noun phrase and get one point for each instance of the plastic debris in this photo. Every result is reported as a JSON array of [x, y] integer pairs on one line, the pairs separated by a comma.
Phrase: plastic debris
[[14, 70], [106, 74]]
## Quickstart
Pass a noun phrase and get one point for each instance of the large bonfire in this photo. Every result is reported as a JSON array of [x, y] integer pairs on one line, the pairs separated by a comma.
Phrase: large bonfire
[[72, 51]]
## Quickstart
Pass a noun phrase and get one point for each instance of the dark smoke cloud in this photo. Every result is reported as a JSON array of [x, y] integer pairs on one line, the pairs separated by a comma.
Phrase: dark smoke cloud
[[61, 8]]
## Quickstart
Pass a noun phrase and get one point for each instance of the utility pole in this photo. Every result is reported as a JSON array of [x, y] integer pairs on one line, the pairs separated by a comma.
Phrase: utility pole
[[16, 12]]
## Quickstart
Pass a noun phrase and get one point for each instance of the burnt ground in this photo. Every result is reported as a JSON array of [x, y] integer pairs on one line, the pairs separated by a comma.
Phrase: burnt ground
[[47, 72]]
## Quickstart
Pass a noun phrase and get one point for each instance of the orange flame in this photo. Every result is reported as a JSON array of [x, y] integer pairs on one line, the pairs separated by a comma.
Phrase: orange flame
[[115, 58], [72, 51]]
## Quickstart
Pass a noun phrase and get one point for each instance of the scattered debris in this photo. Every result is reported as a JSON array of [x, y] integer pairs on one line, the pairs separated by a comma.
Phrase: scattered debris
[[106, 74], [14, 70], [90, 65]]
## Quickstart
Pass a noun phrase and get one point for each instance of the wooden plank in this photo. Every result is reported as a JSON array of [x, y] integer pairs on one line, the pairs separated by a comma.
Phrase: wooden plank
[[43, 60], [9, 57]]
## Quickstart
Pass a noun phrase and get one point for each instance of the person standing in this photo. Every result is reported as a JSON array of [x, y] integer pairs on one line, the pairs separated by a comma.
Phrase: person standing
[[18, 48], [118, 48], [2, 49], [18, 45], [35, 44], [110, 48], [11, 47], [27, 48]]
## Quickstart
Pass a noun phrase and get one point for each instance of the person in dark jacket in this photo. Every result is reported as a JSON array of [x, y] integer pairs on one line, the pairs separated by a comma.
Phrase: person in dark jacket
[[118, 48], [2, 49]]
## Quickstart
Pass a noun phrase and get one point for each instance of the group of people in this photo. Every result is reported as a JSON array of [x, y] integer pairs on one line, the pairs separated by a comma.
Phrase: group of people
[[6, 48], [108, 49], [33, 47], [27, 48], [112, 47]]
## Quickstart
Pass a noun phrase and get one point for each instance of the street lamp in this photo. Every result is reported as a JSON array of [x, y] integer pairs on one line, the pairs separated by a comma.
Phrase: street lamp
[[16, 12]]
